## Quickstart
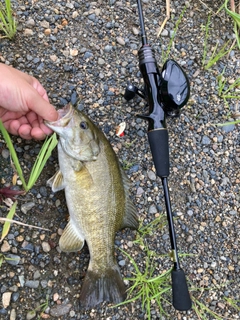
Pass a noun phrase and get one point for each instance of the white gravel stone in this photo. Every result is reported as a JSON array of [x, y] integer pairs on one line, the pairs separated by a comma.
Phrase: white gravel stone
[[6, 297]]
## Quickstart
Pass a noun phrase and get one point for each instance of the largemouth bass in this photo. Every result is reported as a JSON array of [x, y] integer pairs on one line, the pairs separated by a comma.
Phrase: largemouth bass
[[97, 196]]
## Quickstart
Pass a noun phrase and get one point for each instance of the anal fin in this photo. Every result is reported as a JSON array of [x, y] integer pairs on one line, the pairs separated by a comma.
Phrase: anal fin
[[71, 240]]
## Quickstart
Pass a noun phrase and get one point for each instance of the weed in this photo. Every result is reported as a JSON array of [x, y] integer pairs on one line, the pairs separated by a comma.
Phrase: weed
[[6, 225], [127, 165], [165, 55], [206, 39], [201, 309], [207, 63], [149, 229], [4, 258], [228, 92], [7, 21], [7, 192], [233, 303], [45, 152], [149, 288], [217, 55], [40, 309], [236, 19], [227, 123], [129, 144]]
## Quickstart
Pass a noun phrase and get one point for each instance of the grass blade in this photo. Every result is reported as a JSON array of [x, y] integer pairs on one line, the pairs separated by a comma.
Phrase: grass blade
[[215, 57], [236, 18], [44, 154], [13, 154], [23, 224], [7, 223], [7, 21], [227, 123]]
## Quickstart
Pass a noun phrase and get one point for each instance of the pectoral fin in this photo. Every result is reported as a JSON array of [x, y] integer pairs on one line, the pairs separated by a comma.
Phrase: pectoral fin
[[56, 182], [71, 240], [76, 164]]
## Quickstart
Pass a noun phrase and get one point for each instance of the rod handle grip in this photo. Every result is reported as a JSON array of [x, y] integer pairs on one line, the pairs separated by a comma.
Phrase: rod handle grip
[[158, 141], [180, 293]]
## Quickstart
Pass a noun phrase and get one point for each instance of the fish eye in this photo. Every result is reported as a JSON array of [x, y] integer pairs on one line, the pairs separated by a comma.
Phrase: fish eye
[[83, 125]]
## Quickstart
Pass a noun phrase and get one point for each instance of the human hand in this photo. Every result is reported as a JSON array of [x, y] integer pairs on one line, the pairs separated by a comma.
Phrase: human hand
[[24, 104]]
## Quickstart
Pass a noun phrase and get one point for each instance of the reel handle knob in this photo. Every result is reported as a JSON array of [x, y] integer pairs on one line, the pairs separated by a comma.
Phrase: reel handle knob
[[130, 92]]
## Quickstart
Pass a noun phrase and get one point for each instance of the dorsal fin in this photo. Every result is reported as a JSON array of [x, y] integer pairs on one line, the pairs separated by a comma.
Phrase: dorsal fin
[[130, 219]]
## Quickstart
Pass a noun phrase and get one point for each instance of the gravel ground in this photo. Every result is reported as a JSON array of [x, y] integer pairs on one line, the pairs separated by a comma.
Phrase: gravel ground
[[88, 50]]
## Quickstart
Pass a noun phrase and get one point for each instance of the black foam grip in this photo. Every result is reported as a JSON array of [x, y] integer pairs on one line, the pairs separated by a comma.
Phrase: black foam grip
[[158, 140], [181, 297]]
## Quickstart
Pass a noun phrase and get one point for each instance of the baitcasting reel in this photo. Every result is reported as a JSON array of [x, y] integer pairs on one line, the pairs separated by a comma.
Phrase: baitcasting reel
[[172, 85]]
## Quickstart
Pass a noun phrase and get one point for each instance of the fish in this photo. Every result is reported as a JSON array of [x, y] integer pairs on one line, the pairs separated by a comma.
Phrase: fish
[[98, 200]]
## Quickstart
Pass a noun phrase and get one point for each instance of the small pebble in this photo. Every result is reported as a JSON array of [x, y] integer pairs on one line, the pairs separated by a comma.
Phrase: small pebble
[[27, 206], [151, 175], [32, 284], [31, 315], [5, 246], [30, 22], [120, 40], [28, 32], [13, 259], [46, 246], [5, 153], [164, 33], [13, 314], [60, 310]]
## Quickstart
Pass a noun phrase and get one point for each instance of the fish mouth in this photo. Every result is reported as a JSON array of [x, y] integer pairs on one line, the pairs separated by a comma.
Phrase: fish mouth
[[64, 116]]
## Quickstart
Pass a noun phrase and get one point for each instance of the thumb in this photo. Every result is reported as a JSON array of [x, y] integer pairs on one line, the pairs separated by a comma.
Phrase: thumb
[[42, 107]]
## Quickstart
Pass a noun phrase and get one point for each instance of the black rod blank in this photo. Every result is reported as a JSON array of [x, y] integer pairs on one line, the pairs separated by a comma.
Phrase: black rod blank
[[180, 294], [141, 20], [170, 224]]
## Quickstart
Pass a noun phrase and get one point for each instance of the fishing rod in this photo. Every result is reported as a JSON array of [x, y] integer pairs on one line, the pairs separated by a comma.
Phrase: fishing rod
[[165, 92]]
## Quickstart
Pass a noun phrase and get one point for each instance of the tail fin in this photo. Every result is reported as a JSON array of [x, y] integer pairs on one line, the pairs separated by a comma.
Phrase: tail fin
[[100, 287]]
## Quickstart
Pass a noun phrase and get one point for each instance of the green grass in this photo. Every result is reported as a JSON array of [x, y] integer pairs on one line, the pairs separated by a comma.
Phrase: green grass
[[236, 21], [206, 28], [150, 228], [7, 21], [146, 287], [217, 54], [165, 55], [226, 91], [4, 258], [40, 309], [154, 291], [45, 152], [126, 165], [7, 224]]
